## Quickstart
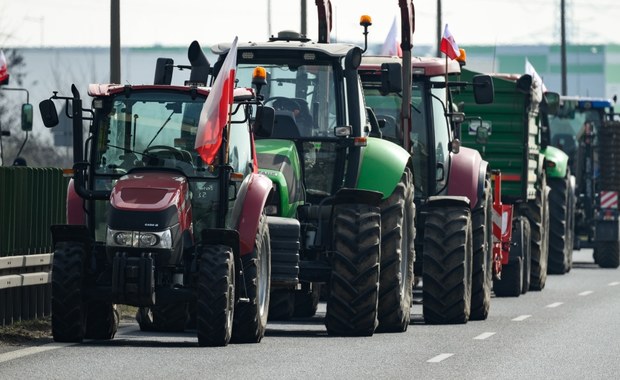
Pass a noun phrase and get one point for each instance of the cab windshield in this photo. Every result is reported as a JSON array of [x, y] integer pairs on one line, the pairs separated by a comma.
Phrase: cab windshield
[[302, 95], [154, 129]]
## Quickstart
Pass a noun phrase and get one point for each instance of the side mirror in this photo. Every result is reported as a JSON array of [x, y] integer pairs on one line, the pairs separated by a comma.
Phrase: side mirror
[[552, 101], [263, 124], [27, 117], [391, 78], [163, 71], [484, 92], [48, 113]]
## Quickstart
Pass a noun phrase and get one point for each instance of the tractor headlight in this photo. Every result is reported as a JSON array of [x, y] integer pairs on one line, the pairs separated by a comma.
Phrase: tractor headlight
[[138, 239]]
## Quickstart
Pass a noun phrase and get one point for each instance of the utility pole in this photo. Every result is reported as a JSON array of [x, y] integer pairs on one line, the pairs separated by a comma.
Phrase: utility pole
[[563, 45], [304, 16], [115, 41], [439, 31]]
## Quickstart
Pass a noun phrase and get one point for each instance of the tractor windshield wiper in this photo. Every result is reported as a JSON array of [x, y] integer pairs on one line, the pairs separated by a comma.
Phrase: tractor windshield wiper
[[160, 128]]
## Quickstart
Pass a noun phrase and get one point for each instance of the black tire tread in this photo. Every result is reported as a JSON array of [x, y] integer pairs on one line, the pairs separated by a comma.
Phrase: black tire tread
[[352, 305]]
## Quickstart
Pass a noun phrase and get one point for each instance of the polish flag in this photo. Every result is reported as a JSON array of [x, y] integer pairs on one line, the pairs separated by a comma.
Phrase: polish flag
[[391, 46], [448, 45], [214, 114], [4, 71]]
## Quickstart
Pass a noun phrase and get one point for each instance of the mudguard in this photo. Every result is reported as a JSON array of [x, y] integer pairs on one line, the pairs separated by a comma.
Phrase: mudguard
[[75, 206], [248, 209], [467, 175], [383, 164], [448, 201], [556, 162]]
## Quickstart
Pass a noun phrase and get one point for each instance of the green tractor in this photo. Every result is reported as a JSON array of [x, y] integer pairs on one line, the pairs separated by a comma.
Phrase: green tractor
[[587, 130], [342, 211]]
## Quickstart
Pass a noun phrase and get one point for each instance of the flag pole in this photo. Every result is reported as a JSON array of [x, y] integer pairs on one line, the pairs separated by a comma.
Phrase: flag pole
[[446, 79], [228, 124]]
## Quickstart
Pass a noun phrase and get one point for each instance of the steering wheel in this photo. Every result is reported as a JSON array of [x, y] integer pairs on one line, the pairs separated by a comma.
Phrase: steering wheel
[[163, 151], [286, 104]]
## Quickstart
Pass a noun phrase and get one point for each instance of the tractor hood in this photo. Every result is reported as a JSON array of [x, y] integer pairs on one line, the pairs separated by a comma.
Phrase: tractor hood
[[149, 201]]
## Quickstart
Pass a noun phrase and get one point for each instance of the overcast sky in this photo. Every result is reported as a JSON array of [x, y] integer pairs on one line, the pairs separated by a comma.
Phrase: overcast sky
[[159, 22]]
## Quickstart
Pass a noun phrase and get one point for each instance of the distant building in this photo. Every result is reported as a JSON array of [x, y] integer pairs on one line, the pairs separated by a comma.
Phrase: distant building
[[593, 70]]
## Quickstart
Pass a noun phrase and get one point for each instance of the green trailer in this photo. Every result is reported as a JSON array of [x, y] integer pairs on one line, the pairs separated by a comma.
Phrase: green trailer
[[508, 134]]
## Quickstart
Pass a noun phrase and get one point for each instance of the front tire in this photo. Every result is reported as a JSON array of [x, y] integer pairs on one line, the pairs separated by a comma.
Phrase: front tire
[[537, 213], [447, 274], [215, 303], [68, 306], [352, 306], [559, 224]]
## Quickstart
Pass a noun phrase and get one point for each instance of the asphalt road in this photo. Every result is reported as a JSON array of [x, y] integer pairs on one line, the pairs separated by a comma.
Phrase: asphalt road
[[570, 330]]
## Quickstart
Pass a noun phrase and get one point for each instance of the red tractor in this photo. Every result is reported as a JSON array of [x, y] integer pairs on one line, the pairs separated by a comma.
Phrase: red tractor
[[150, 224]]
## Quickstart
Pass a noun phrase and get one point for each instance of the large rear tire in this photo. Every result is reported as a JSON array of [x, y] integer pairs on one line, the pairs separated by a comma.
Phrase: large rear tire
[[68, 306], [537, 213], [215, 302], [482, 271], [559, 224], [446, 283], [250, 319], [352, 306], [397, 256], [608, 254], [515, 276]]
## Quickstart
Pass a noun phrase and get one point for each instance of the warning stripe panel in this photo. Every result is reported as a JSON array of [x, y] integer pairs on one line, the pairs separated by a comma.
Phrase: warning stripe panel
[[609, 199]]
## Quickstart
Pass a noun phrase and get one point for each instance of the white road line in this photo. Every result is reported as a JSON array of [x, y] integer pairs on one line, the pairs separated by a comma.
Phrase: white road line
[[484, 336], [614, 283], [555, 304], [521, 318], [439, 358], [586, 293], [31, 351]]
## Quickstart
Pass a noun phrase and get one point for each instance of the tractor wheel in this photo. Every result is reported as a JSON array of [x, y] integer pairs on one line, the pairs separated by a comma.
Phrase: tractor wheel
[[101, 321], [281, 304], [515, 277], [307, 301], [527, 254], [608, 254], [250, 318], [215, 302], [397, 256], [537, 213], [572, 201], [559, 246], [352, 306], [68, 306], [482, 271], [446, 289], [165, 318]]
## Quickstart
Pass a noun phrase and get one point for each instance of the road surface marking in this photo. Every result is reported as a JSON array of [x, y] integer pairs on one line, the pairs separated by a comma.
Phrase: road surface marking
[[555, 304], [439, 358], [521, 318], [484, 335], [614, 283], [586, 293], [31, 351]]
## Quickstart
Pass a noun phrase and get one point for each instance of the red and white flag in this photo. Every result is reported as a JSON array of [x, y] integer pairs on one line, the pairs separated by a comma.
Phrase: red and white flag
[[4, 71], [391, 45], [214, 114], [448, 45]]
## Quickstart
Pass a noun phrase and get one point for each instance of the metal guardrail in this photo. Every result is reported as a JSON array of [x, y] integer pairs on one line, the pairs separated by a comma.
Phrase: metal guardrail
[[25, 287], [31, 200]]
